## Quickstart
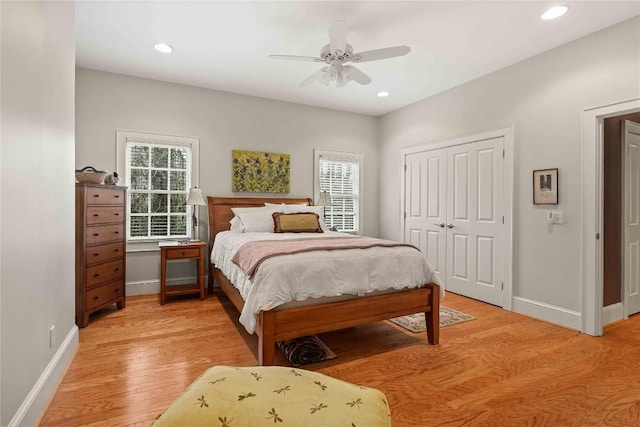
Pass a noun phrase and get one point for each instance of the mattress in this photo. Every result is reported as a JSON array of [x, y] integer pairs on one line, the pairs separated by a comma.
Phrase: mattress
[[312, 277]]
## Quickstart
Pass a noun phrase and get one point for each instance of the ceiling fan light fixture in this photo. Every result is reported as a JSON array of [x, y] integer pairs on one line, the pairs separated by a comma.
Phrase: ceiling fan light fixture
[[163, 48], [554, 12], [382, 94]]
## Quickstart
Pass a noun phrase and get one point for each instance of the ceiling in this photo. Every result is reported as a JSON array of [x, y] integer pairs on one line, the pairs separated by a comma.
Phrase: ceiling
[[224, 45]]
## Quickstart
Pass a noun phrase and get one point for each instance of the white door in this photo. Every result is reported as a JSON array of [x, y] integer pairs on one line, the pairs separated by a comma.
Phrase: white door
[[475, 220], [631, 138], [426, 204], [453, 213]]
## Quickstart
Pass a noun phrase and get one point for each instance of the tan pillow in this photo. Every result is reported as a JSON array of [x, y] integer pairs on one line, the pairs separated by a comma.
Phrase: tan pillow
[[304, 222]]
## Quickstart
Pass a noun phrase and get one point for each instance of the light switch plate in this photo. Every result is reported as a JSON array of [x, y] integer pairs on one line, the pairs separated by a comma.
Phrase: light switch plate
[[558, 217]]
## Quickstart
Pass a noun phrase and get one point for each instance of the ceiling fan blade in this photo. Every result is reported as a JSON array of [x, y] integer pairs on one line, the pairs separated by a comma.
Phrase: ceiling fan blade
[[357, 75], [338, 36], [296, 58], [313, 77], [384, 53]]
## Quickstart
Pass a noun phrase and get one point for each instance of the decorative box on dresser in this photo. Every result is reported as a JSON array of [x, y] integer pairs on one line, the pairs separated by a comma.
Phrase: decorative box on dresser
[[100, 248]]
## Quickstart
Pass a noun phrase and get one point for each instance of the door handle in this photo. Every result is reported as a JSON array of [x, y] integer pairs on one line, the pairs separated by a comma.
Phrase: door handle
[[441, 225], [450, 226]]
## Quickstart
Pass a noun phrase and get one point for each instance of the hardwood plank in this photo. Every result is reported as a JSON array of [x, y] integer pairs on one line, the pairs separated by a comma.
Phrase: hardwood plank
[[501, 369]]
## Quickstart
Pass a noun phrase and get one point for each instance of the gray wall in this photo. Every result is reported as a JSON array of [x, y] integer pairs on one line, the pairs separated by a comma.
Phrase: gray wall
[[37, 273], [223, 121], [543, 97]]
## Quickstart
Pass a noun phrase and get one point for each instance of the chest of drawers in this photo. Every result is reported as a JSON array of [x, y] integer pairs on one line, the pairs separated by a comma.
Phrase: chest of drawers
[[100, 248]]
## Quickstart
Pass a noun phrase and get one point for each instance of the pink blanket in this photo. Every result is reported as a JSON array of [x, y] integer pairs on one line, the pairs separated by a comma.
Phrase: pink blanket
[[252, 254]]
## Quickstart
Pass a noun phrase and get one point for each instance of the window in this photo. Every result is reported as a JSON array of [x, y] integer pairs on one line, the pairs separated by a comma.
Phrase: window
[[159, 171], [339, 174]]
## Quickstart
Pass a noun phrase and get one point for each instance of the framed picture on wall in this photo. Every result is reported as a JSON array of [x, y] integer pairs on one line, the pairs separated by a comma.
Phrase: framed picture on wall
[[545, 187]]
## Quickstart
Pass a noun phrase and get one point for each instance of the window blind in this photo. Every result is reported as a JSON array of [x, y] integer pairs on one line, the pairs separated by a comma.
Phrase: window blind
[[340, 177]]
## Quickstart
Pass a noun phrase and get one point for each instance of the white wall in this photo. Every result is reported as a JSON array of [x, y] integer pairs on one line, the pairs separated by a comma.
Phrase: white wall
[[37, 277], [543, 97], [224, 122]]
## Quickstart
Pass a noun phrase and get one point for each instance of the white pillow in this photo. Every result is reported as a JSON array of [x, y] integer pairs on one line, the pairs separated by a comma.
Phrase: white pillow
[[261, 221], [236, 225], [257, 219]]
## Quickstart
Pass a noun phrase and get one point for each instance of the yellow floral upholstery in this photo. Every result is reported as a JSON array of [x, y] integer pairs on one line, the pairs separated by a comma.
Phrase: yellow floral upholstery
[[273, 395]]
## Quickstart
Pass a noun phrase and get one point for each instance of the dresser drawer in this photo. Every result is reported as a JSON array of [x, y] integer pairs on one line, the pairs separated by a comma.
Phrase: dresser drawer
[[104, 272], [103, 294], [179, 253], [95, 254], [105, 233], [104, 214], [105, 196]]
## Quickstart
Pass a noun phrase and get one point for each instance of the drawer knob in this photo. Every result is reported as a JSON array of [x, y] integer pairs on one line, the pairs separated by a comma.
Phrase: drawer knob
[[183, 253], [117, 250], [96, 195], [117, 214], [96, 297], [96, 234], [117, 196], [96, 275], [116, 269], [117, 232], [116, 290], [96, 254], [96, 215]]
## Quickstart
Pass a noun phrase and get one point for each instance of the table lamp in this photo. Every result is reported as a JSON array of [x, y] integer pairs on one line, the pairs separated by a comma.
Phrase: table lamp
[[195, 199]]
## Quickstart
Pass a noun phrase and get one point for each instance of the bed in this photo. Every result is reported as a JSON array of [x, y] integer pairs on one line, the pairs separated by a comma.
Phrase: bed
[[282, 324]]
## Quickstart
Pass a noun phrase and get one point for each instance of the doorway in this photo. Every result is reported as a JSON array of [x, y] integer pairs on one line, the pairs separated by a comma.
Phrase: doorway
[[593, 212], [618, 168]]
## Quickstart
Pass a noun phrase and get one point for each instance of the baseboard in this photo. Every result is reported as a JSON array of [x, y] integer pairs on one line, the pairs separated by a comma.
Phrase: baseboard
[[558, 315], [37, 399], [146, 287], [612, 313]]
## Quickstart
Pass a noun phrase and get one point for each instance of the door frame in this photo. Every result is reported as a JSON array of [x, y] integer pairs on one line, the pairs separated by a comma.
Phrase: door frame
[[508, 133], [593, 209]]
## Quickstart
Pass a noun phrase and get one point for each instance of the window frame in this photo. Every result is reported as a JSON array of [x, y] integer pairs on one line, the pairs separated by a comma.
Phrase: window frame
[[124, 136], [347, 157]]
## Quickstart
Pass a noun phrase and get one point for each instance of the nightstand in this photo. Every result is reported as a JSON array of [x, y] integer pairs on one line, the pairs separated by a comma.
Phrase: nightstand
[[192, 250]]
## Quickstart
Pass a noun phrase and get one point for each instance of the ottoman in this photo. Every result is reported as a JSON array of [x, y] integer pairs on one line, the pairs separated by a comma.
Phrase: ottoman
[[274, 395]]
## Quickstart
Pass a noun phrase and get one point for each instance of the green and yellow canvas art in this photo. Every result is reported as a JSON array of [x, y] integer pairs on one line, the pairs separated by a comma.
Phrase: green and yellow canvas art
[[260, 172]]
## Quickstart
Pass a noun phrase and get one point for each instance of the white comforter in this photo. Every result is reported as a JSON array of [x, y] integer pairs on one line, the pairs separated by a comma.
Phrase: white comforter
[[316, 274]]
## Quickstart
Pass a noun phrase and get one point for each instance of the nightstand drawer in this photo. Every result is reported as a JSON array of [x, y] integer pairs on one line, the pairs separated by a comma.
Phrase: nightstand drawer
[[104, 233], [103, 294], [105, 196], [179, 253], [104, 272], [95, 254], [103, 214]]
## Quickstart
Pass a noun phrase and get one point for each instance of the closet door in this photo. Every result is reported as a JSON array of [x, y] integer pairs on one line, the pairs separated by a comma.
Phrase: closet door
[[425, 205], [475, 220]]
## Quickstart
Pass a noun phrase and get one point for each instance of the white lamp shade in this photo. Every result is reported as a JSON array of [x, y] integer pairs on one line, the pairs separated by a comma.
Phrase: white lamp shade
[[324, 200], [195, 197]]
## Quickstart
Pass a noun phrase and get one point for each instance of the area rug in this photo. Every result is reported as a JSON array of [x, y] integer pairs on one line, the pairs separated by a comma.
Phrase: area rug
[[305, 350], [415, 322]]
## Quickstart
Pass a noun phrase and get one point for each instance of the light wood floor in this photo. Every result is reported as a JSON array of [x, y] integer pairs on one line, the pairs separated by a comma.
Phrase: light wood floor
[[502, 369]]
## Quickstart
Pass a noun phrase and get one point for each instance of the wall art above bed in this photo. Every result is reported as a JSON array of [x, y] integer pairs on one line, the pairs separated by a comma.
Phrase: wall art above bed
[[260, 172]]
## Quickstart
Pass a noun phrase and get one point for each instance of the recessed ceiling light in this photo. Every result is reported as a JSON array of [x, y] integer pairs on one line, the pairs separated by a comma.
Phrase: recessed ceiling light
[[383, 93], [554, 12], [163, 47]]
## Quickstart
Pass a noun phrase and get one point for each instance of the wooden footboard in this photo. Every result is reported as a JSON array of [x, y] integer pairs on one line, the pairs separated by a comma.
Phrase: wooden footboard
[[274, 326]]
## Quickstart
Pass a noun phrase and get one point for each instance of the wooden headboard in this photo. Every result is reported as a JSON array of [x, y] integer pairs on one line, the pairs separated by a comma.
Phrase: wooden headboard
[[220, 210]]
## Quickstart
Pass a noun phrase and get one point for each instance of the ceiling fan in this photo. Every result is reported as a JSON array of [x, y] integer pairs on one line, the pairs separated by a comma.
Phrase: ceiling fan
[[337, 53]]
